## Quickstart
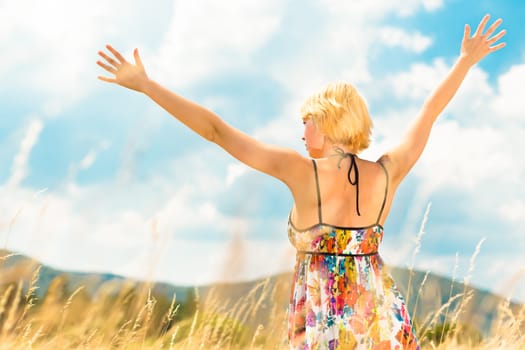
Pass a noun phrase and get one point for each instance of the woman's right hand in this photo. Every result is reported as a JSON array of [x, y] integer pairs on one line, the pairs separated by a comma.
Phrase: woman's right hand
[[131, 76], [474, 48]]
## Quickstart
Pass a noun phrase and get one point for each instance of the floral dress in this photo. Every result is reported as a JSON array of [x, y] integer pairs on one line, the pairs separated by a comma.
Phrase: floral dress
[[341, 296]]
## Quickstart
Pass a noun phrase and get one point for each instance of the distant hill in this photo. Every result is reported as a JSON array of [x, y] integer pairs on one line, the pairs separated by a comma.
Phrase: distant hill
[[423, 300], [18, 267]]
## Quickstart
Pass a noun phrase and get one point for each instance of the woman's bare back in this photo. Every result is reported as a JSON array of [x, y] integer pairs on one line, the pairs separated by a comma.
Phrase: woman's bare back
[[340, 200]]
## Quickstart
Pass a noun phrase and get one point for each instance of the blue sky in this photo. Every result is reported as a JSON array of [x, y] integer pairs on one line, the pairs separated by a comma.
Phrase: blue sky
[[98, 178]]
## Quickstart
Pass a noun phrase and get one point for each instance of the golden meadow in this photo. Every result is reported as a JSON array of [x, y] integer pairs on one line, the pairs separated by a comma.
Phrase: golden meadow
[[130, 315]]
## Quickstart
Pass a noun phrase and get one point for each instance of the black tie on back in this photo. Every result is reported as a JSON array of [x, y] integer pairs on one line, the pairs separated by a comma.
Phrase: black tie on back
[[353, 166]]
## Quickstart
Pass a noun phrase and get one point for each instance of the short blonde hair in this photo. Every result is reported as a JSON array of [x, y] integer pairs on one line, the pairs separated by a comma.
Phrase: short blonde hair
[[341, 114]]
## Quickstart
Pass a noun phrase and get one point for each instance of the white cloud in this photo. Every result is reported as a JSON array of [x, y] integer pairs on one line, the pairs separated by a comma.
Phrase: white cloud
[[74, 230], [327, 54], [379, 9], [469, 144], [92, 155], [479, 151], [53, 45], [513, 211], [509, 103], [235, 171], [46, 53], [418, 82], [189, 262], [432, 5], [88, 160], [20, 163], [199, 43], [286, 131], [397, 37], [465, 158], [471, 105]]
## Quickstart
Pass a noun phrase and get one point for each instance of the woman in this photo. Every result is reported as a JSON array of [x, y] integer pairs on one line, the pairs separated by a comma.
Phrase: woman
[[341, 297]]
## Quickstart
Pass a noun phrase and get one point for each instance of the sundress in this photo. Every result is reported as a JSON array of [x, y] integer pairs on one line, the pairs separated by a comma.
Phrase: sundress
[[341, 296]]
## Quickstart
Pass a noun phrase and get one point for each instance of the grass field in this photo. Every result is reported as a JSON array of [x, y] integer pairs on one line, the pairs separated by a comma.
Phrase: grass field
[[132, 318]]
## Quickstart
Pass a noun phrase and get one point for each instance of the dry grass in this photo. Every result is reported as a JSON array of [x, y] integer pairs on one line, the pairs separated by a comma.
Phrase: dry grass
[[129, 316], [132, 318]]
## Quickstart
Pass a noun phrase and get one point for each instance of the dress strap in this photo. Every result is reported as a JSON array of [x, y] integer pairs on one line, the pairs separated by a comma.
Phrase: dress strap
[[386, 193], [318, 192]]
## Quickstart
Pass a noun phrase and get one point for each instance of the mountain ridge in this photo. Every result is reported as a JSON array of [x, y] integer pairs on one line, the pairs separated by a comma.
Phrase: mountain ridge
[[427, 293]]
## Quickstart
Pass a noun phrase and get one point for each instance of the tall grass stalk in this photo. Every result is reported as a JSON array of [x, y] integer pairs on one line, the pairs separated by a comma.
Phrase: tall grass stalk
[[416, 249], [454, 272], [129, 316]]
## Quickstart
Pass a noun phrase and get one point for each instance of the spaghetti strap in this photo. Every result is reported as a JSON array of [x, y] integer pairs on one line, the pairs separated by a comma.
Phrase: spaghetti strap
[[386, 193], [318, 192]]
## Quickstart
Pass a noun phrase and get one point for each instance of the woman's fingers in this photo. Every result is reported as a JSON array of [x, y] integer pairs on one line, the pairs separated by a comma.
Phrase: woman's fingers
[[110, 60], [497, 47], [496, 37], [117, 54], [466, 34], [106, 79], [481, 25], [493, 27], [138, 61], [110, 69]]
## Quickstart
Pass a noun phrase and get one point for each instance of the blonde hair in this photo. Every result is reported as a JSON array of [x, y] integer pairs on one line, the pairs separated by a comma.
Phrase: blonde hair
[[340, 113]]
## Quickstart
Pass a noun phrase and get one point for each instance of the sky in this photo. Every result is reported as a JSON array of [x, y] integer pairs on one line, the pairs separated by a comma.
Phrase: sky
[[94, 177]]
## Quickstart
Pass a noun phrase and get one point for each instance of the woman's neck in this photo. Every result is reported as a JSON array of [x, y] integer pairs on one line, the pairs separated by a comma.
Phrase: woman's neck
[[333, 150]]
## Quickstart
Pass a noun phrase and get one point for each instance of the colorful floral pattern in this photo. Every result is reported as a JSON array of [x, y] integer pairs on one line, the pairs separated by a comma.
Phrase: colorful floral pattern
[[344, 302]]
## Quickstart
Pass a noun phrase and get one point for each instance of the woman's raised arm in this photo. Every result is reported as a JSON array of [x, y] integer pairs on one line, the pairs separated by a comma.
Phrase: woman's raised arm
[[401, 159], [281, 163]]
